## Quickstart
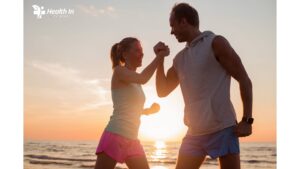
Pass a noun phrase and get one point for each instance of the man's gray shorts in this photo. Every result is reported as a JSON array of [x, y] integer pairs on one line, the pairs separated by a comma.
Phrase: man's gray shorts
[[215, 145]]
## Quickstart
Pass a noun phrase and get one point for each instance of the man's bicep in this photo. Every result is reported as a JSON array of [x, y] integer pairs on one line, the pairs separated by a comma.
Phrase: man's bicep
[[234, 66], [172, 79], [229, 59]]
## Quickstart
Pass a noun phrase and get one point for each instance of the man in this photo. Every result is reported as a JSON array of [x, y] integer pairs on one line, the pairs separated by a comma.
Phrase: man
[[204, 69]]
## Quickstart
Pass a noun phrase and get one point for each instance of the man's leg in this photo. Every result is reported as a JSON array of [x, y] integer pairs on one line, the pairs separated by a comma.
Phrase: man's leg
[[189, 162], [230, 161]]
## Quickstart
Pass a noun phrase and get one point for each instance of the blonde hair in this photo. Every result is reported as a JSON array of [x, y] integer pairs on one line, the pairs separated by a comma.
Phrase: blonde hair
[[117, 50]]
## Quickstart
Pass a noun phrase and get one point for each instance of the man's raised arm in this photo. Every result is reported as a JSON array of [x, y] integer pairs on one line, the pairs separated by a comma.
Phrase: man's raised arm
[[165, 84]]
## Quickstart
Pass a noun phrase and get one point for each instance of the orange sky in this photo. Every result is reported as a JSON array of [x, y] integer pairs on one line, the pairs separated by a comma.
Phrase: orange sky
[[89, 124]]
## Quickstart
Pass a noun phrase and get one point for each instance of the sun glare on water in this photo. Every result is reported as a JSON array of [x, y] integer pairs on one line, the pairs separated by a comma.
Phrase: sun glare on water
[[159, 167], [160, 151], [160, 144]]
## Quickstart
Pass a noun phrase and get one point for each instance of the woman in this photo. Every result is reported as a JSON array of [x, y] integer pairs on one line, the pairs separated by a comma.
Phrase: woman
[[119, 142]]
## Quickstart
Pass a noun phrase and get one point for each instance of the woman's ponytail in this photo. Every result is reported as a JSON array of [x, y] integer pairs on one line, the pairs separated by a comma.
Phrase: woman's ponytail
[[115, 59]]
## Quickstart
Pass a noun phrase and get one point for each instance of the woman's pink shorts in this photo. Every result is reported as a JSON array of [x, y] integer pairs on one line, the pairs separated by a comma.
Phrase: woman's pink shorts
[[118, 147]]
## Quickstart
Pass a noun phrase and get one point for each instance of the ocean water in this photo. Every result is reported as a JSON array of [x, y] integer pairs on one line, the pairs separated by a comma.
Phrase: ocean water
[[160, 155]]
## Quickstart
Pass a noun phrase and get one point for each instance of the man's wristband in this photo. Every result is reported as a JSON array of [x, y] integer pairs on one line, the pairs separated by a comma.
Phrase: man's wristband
[[248, 120]]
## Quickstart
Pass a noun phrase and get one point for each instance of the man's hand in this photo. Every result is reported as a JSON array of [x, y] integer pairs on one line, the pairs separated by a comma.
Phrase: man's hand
[[243, 129], [160, 49]]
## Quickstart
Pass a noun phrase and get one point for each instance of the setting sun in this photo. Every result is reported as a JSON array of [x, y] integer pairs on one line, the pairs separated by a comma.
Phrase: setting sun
[[167, 124], [160, 127]]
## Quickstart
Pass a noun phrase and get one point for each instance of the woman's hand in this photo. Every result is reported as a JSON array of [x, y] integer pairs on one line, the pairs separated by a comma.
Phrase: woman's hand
[[153, 109]]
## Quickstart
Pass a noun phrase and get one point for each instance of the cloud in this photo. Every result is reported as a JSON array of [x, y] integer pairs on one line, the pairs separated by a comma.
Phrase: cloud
[[79, 92], [94, 11]]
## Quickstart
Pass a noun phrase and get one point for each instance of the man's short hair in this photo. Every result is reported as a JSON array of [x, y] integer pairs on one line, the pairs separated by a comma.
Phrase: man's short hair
[[184, 10]]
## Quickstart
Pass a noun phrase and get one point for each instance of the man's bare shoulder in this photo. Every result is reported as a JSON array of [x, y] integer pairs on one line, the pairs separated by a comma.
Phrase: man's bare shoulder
[[219, 41]]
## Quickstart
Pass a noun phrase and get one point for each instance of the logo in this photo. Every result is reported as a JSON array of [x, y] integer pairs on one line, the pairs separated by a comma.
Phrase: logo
[[38, 11]]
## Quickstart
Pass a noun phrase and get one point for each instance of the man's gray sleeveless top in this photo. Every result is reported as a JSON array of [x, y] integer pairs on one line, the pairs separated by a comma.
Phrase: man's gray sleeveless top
[[205, 87], [128, 103]]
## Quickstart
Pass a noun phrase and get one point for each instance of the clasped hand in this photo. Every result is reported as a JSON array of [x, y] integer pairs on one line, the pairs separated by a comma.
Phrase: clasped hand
[[161, 49]]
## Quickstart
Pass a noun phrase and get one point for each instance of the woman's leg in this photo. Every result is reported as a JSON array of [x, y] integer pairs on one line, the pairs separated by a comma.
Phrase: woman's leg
[[137, 162], [105, 162]]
